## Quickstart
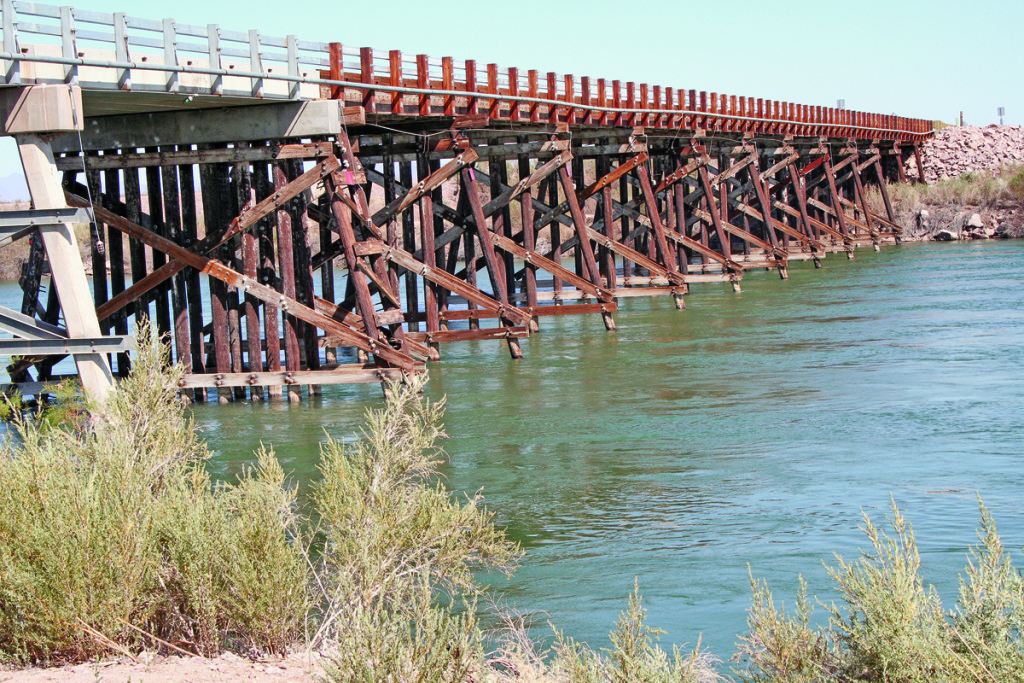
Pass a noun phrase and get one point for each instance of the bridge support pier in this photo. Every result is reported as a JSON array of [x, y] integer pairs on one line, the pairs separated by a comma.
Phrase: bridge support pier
[[33, 115]]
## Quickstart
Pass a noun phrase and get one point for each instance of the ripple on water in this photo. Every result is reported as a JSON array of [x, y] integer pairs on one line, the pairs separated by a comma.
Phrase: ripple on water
[[753, 428]]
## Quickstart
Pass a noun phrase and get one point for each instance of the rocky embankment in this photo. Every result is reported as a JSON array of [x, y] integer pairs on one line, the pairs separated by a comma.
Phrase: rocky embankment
[[957, 150], [975, 190]]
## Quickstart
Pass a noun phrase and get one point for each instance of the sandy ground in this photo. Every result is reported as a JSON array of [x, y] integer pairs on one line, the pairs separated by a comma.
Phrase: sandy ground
[[153, 669]]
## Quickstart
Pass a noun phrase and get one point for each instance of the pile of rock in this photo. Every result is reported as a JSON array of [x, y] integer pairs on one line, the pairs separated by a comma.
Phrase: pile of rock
[[970, 227], [951, 222], [956, 150]]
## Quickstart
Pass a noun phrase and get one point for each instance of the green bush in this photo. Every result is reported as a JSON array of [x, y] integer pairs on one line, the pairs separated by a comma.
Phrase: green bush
[[398, 550], [233, 571], [114, 537], [422, 642], [988, 623], [890, 628], [387, 519], [782, 648], [635, 656], [111, 522]]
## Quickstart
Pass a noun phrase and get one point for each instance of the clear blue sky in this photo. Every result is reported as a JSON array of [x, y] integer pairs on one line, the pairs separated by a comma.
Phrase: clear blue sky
[[918, 59]]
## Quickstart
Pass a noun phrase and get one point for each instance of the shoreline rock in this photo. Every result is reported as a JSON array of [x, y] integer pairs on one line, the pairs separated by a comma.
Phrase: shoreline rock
[[975, 154], [957, 150]]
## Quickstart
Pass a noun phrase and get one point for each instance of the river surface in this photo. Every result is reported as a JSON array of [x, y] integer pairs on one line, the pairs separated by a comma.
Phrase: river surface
[[752, 429]]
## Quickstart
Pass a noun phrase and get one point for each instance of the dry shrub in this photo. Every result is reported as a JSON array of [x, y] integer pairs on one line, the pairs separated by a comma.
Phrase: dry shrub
[[1016, 181], [969, 189]]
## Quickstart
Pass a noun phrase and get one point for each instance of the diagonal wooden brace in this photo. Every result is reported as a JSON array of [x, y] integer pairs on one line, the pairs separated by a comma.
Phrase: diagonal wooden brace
[[219, 271], [777, 252], [431, 182], [534, 259], [453, 284], [532, 180], [243, 222]]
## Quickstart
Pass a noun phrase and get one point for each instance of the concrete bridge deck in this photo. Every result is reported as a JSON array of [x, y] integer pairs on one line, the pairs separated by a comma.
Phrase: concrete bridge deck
[[297, 214]]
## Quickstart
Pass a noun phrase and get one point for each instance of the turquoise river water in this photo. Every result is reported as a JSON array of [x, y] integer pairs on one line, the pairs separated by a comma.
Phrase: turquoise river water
[[752, 429]]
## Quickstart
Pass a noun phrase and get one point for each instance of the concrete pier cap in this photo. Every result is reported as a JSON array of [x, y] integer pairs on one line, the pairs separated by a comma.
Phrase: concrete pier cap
[[210, 125], [41, 109]]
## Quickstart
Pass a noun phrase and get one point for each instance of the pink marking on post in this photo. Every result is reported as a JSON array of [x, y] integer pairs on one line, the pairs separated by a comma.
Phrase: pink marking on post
[[350, 179]]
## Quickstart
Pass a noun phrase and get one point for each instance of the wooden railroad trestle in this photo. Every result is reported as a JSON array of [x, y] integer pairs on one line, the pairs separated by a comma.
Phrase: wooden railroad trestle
[[295, 213], [306, 284]]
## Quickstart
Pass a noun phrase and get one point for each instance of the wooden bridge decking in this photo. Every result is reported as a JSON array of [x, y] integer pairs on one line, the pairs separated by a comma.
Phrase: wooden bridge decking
[[343, 214]]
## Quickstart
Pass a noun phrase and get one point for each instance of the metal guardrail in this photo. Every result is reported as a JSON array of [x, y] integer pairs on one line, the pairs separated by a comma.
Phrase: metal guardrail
[[165, 56], [135, 44]]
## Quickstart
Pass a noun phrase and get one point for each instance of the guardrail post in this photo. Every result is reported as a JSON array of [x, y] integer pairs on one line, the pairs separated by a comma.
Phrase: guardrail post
[[396, 79], [336, 69], [255, 62], [532, 81], [216, 80], [644, 103], [494, 106], [171, 54], [630, 103], [656, 103], [552, 95], [68, 49], [423, 83], [121, 54], [471, 86], [570, 98], [448, 83], [513, 90], [617, 102], [292, 43], [366, 72], [585, 98], [12, 69]]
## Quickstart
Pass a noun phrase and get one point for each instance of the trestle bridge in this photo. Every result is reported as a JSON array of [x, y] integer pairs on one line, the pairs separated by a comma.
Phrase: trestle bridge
[[296, 214]]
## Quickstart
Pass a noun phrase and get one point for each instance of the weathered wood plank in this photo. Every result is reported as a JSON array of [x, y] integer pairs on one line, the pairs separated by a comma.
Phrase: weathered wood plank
[[343, 374], [190, 157]]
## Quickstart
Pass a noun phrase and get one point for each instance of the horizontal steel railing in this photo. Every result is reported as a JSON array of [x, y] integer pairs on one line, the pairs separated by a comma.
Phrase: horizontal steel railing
[[210, 60]]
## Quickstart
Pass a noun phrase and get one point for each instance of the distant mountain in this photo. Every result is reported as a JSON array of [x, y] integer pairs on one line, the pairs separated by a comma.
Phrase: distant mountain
[[13, 188]]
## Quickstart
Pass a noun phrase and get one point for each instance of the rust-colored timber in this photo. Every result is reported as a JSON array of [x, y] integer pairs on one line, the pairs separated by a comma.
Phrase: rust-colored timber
[[225, 274], [571, 193], [559, 187]]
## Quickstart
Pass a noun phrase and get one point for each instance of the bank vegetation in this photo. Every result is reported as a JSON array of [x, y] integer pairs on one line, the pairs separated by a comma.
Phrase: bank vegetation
[[976, 204], [115, 540]]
